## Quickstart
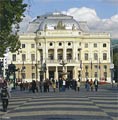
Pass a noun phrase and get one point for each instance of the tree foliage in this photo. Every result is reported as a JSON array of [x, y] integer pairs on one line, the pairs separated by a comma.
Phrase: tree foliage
[[115, 57], [11, 14]]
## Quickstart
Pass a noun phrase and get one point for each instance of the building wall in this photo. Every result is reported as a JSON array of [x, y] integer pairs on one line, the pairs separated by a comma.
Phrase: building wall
[[49, 42]]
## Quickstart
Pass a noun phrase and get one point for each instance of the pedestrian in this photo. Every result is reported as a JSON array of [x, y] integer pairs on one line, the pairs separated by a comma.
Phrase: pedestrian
[[33, 86], [96, 84], [63, 85], [87, 85], [74, 83], [91, 84], [60, 84], [53, 85], [78, 85], [5, 95]]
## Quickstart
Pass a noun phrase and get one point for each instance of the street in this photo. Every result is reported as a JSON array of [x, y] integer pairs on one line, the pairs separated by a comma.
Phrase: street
[[68, 105]]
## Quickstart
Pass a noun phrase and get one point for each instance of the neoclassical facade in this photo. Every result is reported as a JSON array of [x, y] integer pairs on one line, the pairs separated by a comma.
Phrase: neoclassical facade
[[55, 38]]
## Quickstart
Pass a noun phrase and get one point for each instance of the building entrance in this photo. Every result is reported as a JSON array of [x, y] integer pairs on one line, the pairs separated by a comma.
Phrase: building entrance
[[51, 74]]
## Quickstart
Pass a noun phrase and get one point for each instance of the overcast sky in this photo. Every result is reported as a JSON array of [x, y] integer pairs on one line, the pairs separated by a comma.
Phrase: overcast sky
[[101, 15]]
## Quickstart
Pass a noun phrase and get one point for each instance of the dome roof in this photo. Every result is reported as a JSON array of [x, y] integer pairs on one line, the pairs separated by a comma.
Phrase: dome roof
[[53, 21]]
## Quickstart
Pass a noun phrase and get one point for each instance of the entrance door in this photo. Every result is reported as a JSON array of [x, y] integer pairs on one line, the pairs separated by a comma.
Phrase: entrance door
[[51, 74], [70, 75]]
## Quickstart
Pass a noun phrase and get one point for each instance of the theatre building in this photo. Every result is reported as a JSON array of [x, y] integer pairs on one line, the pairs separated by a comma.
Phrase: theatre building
[[55, 38]]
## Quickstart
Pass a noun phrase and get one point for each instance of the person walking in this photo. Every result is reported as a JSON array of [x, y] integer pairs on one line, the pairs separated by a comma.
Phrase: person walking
[[78, 85], [87, 85], [54, 85], [5, 95], [91, 84], [96, 84]]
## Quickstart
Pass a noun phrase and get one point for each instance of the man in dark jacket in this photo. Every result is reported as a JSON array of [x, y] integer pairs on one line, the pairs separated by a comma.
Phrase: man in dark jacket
[[5, 95]]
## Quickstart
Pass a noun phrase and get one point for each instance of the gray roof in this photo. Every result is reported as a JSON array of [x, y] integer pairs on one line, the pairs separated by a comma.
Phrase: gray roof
[[55, 21]]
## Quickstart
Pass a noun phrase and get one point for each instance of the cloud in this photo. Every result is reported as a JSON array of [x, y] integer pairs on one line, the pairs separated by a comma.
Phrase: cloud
[[94, 22]]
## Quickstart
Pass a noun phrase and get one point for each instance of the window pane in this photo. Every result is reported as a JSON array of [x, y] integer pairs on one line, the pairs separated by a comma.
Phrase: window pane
[[95, 56], [14, 57], [32, 45], [33, 75], [95, 45], [104, 45], [104, 56], [86, 45], [96, 74], [86, 56], [33, 57], [23, 45], [23, 57]]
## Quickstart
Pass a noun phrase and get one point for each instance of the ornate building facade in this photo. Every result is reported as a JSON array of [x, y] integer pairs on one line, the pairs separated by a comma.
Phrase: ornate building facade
[[55, 38]]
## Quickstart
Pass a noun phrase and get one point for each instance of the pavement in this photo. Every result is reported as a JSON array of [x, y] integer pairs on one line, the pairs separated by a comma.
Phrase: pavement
[[68, 105]]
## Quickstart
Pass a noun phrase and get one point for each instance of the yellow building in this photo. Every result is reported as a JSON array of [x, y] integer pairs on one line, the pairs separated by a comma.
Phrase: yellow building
[[55, 38]]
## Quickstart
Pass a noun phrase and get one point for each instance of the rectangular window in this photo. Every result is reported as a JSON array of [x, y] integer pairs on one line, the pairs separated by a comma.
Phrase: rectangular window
[[23, 57], [86, 45], [104, 45], [95, 74], [50, 56], [69, 56], [32, 57], [14, 57], [23, 45], [60, 56], [95, 56], [86, 56], [104, 56], [32, 45], [33, 75], [95, 45]]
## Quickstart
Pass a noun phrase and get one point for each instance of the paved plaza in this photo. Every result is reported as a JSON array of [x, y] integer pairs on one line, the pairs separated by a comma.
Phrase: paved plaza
[[68, 105]]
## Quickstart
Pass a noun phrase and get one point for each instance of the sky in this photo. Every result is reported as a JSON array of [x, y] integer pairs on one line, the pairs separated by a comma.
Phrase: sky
[[100, 15]]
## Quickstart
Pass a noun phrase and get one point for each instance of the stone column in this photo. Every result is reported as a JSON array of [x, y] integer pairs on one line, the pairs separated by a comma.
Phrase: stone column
[[47, 73], [75, 73], [55, 52], [64, 52], [56, 73]]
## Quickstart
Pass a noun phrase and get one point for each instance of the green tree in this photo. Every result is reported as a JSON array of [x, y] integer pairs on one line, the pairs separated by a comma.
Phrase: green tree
[[11, 14]]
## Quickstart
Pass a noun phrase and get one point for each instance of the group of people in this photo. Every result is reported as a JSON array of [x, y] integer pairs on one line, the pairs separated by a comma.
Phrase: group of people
[[89, 85], [44, 86]]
